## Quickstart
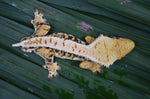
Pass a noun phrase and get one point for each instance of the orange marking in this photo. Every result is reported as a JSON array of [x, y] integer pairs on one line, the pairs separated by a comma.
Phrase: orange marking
[[95, 46], [50, 40], [33, 42], [45, 41], [25, 43], [55, 43], [72, 49], [83, 51], [37, 41], [63, 44], [75, 46], [79, 51], [28, 42]]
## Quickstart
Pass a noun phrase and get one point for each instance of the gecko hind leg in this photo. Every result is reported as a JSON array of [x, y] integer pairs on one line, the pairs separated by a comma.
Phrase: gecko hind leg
[[52, 68], [89, 39], [40, 25], [90, 65], [48, 55]]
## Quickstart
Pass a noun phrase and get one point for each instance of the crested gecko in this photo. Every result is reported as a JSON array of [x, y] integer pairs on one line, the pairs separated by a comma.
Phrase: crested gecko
[[92, 52]]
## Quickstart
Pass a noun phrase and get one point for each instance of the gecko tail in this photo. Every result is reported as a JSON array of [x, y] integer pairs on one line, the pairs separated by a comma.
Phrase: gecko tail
[[16, 45]]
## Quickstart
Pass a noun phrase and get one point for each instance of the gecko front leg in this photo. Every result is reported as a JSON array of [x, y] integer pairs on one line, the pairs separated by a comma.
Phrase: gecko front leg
[[48, 55], [40, 26]]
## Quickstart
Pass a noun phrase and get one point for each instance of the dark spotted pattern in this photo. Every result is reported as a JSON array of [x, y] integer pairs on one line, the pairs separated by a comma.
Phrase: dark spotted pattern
[[68, 37]]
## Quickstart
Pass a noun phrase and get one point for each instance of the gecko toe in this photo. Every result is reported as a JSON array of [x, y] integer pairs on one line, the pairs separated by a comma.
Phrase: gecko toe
[[95, 73], [49, 77], [58, 68], [56, 75], [45, 67], [101, 71]]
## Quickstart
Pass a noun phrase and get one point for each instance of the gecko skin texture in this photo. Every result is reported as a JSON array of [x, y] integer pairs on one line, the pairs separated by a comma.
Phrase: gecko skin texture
[[92, 52]]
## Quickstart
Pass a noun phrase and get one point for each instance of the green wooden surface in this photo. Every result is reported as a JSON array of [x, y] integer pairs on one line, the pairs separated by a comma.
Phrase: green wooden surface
[[22, 75]]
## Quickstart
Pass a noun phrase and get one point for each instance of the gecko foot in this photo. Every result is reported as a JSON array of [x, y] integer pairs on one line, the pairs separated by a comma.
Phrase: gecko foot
[[94, 67], [38, 18], [52, 68], [89, 39]]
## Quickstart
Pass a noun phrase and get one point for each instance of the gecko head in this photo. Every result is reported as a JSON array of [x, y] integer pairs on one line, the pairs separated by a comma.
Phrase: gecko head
[[124, 46], [106, 50]]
